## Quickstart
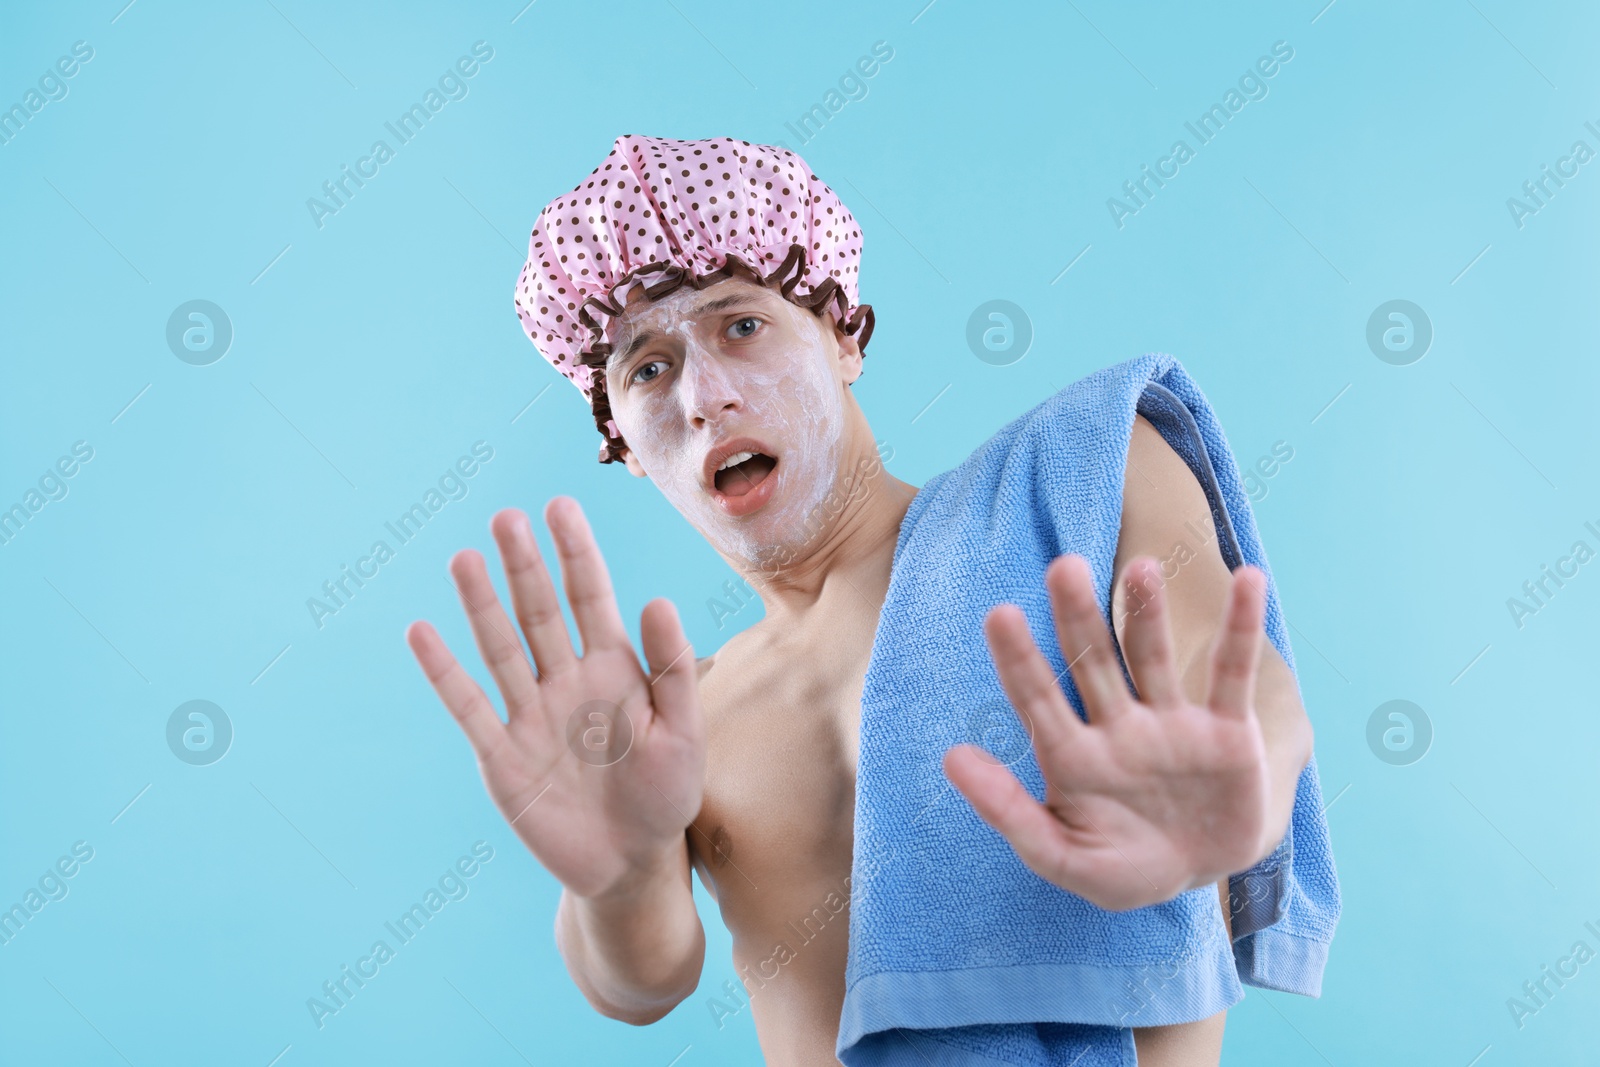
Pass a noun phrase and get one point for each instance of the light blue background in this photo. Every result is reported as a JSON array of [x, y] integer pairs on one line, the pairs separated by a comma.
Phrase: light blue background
[[375, 350]]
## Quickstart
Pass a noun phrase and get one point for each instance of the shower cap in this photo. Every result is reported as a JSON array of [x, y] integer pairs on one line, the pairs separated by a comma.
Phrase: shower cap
[[661, 213]]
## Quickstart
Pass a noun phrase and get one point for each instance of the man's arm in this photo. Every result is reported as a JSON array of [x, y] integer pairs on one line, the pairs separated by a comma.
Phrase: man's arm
[[598, 767], [1165, 515], [635, 951]]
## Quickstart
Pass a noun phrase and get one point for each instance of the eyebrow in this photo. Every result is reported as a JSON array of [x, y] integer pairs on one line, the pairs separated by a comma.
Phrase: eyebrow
[[639, 340]]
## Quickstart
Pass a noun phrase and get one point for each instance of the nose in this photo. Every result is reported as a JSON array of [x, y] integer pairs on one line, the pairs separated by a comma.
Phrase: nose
[[709, 389]]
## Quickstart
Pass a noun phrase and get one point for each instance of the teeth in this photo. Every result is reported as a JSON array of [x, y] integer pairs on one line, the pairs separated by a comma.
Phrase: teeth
[[735, 459]]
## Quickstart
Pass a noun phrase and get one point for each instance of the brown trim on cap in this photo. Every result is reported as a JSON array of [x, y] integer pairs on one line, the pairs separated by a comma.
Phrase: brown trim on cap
[[786, 277]]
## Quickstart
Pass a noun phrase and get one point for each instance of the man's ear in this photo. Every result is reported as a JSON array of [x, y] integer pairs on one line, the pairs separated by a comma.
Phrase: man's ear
[[849, 353], [633, 464]]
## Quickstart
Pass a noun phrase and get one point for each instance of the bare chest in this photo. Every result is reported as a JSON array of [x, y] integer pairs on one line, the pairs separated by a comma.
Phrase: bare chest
[[775, 827]]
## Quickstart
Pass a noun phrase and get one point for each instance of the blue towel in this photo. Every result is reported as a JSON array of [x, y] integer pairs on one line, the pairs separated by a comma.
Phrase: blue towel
[[959, 954]]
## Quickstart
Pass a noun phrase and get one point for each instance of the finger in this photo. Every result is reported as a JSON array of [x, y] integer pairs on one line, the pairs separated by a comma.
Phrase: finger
[[1001, 801], [583, 572], [1147, 636], [497, 639], [533, 594], [1030, 684], [464, 698], [1238, 647], [1085, 641], [674, 685]]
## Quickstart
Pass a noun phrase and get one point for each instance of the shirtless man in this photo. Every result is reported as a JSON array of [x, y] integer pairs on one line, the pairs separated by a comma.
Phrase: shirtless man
[[742, 765]]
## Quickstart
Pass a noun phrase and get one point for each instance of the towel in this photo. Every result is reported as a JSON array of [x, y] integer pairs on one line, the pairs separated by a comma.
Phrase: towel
[[959, 954]]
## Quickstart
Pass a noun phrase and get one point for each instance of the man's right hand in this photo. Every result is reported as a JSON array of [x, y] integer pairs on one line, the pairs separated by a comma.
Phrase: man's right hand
[[599, 768]]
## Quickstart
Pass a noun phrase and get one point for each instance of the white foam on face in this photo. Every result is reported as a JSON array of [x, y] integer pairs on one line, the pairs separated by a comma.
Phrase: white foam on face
[[783, 390]]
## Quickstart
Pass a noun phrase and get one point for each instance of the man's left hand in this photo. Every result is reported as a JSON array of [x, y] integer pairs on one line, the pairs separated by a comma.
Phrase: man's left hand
[[1155, 794]]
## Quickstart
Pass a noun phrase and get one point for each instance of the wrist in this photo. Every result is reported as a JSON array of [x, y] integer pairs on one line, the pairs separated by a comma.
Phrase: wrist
[[643, 874]]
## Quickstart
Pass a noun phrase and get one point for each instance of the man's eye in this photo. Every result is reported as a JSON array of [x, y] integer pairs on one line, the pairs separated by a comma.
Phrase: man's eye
[[645, 373], [744, 327]]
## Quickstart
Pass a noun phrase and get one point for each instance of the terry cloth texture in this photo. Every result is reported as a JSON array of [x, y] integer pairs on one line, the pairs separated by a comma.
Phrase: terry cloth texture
[[959, 954]]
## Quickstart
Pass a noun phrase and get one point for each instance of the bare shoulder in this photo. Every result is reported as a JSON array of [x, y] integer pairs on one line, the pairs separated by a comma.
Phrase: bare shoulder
[[1165, 515], [1157, 482], [717, 671]]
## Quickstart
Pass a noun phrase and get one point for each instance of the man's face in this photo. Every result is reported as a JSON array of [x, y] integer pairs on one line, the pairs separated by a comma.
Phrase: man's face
[[732, 400]]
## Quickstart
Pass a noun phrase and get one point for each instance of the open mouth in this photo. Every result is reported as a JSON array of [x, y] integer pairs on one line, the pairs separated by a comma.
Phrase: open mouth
[[742, 475], [742, 472]]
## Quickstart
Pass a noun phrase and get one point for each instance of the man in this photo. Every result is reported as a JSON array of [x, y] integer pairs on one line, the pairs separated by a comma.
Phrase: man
[[701, 296]]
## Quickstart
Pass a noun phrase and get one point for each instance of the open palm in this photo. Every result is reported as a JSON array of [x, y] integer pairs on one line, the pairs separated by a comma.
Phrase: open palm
[[598, 767], [1153, 795]]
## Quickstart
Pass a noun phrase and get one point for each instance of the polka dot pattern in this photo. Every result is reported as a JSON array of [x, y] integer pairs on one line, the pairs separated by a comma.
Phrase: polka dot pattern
[[666, 213]]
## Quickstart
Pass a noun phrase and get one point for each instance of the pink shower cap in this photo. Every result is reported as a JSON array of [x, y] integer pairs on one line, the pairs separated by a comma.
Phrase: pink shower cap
[[666, 212]]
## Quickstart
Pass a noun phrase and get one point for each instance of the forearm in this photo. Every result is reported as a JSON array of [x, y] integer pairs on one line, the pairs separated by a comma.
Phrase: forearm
[[636, 950]]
